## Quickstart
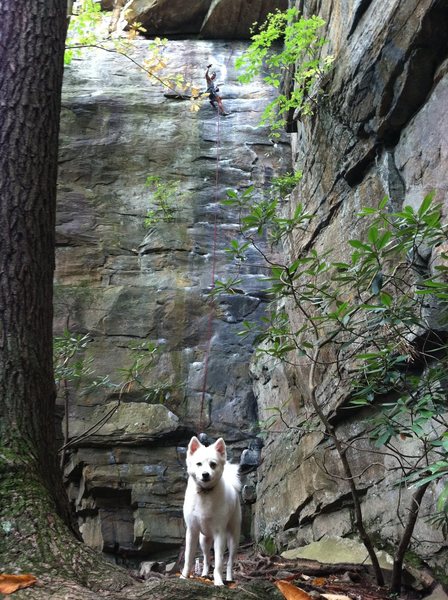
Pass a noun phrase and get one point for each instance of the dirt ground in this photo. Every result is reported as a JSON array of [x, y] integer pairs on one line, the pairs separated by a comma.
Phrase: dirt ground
[[317, 580], [256, 576]]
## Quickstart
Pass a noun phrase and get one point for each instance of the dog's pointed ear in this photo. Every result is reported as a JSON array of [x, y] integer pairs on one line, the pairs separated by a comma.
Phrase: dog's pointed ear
[[193, 445], [220, 447]]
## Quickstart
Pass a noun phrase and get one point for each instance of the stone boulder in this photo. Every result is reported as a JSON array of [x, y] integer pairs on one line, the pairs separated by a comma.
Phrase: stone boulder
[[217, 19], [233, 19], [127, 423], [167, 17], [128, 499]]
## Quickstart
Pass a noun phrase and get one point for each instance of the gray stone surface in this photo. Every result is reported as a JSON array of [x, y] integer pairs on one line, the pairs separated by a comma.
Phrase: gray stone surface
[[233, 19], [127, 423], [165, 17], [215, 19], [125, 284], [438, 594], [378, 130], [333, 550]]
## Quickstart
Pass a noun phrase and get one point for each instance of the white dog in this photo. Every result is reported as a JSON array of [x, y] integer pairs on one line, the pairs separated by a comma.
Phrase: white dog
[[212, 510]]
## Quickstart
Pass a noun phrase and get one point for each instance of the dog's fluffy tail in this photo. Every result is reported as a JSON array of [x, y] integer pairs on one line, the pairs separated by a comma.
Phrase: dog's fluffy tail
[[232, 475]]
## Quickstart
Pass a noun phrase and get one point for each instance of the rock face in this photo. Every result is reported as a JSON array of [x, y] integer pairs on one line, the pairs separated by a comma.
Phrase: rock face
[[165, 17], [126, 284], [233, 19], [217, 19], [378, 131]]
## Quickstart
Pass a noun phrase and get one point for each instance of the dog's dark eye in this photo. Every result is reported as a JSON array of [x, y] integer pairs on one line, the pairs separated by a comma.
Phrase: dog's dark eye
[[212, 465], [199, 464]]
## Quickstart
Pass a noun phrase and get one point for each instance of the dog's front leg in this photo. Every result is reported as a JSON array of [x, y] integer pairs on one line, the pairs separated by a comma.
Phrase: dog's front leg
[[206, 546], [219, 547], [232, 545], [191, 544]]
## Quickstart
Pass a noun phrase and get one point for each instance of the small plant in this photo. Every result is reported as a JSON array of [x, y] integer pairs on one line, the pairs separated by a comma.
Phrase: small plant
[[165, 201], [262, 217], [85, 28], [268, 546], [70, 363], [284, 184], [143, 357], [74, 369], [70, 367], [299, 59]]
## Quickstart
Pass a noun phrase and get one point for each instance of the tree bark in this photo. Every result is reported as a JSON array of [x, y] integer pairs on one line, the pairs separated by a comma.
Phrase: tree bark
[[34, 512], [397, 572], [31, 68], [359, 521]]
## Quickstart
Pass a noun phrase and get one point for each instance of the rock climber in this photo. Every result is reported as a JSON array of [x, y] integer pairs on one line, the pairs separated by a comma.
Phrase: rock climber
[[213, 90]]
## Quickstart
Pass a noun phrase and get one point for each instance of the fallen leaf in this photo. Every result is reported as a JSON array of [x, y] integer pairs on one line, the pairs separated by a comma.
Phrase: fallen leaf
[[202, 580], [319, 581], [335, 596], [291, 592], [12, 583]]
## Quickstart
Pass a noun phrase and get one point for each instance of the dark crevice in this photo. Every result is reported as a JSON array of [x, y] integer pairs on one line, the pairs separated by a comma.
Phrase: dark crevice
[[169, 250], [408, 85], [396, 188], [356, 173], [359, 13], [417, 71], [322, 226], [294, 518]]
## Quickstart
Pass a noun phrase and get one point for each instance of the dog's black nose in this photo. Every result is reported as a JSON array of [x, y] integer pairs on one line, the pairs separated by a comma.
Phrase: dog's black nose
[[205, 476]]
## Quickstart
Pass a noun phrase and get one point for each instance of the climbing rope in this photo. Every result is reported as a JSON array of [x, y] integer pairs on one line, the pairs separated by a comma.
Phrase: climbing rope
[[211, 313]]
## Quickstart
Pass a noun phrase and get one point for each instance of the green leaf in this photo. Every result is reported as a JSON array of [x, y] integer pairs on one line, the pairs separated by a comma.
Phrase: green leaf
[[377, 283], [367, 210], [372, 234], [425, 205], [383, 439], [359, 245], [428, 479], [442, 500], [382, 205], [386, 299], [384, 240]]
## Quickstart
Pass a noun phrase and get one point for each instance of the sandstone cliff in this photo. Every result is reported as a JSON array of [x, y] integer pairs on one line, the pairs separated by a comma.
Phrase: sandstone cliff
[[379, 129], [125, 284]]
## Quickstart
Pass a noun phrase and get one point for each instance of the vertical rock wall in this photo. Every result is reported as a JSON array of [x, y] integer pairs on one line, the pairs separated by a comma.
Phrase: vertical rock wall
[[379, 129], [125, 284]]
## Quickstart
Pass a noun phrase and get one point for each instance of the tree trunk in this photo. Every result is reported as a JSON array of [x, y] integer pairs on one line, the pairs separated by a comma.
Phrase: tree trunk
[[397, 571], [33, 536], [359, 521], [31, 67]]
